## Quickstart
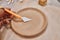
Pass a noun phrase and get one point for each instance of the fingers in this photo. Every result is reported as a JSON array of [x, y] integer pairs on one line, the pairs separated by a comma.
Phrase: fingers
[[3, 15], [1, 11]]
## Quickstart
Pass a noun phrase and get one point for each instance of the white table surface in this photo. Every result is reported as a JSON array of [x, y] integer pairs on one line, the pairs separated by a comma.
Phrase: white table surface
[[53, 16]]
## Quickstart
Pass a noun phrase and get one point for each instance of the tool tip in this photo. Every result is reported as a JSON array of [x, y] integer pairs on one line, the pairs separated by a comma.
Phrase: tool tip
[[25, 19]]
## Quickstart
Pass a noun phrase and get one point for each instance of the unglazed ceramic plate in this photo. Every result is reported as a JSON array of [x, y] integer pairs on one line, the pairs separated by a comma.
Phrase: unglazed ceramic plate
[[32, 28]]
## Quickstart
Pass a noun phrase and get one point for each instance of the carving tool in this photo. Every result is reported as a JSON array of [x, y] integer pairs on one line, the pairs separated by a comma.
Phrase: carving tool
[[25, 19]]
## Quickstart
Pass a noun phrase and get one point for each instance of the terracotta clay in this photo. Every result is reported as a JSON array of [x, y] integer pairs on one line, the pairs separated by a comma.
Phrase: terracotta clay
[[33, 27]]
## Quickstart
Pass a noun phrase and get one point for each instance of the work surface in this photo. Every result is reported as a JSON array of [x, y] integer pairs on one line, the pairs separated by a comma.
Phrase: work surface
[[52, 31]]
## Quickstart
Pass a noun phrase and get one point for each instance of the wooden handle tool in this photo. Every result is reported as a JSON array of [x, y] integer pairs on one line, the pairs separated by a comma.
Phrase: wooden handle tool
[[25, 19], [10, 12]]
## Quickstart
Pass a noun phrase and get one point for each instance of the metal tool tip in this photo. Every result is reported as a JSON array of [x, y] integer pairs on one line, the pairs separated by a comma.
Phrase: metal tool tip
[[25, 19]]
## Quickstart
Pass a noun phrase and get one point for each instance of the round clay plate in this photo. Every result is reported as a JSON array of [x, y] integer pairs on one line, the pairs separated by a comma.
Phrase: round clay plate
[[33, 27]]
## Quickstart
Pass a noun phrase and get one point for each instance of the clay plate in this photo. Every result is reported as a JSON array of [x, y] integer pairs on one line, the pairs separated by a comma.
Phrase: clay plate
[[32, 28]]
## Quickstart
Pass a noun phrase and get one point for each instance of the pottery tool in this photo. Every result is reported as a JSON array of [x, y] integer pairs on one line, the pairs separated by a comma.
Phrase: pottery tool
[[21, 0], [10, 1], [25, 19]]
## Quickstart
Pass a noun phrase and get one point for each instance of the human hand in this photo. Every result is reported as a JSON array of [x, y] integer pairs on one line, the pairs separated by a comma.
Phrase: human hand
[[5, 18]]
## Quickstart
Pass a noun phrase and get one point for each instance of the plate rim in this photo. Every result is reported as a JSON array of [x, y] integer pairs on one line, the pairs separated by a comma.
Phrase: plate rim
[[35, 35]]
